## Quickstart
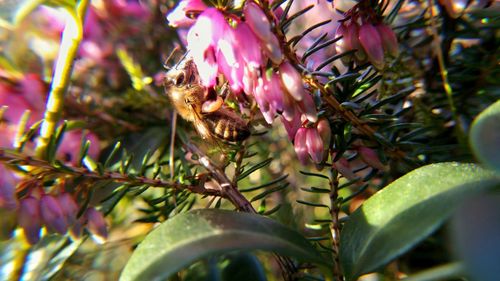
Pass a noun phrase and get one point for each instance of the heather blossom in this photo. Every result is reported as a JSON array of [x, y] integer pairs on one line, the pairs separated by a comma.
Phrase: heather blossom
[[240, 49], [361, 30]]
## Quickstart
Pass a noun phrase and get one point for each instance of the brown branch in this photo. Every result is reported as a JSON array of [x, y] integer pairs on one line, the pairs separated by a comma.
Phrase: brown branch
[[229, 190], [12, 158]]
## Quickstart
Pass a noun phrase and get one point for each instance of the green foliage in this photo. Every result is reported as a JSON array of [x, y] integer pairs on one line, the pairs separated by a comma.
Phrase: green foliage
[[407, 211], [182, 199], [197, 234], [485, 137]]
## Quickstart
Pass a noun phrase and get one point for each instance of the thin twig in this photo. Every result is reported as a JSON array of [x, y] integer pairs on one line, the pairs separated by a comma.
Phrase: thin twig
[[12, 158], [335, 225]]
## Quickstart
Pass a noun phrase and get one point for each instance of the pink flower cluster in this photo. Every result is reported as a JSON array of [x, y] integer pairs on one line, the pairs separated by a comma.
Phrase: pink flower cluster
[[248, 54], [106, 24], [59, 215], [372, 42]]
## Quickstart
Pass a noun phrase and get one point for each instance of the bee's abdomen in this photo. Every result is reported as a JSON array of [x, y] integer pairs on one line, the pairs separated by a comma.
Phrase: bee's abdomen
[[227, 127]]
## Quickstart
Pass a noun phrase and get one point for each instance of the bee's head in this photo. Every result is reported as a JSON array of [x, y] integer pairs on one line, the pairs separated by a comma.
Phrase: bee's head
[[184, 75]]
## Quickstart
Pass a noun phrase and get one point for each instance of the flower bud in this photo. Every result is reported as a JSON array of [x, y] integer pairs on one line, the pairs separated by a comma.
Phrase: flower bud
[[68, 207], [344, 44], [290, 110], [29, 219], [292, 126], [353, 31], [96, 225], [7, 189], [389, 40], [325, 131], [273, 50], [275, 92], [178, 18], [308, 108], [292, 81], [372, 44], [314, 145], [52, 214], [258, 22], [251, 52], [370, 157], [300, 145], [344, 168]]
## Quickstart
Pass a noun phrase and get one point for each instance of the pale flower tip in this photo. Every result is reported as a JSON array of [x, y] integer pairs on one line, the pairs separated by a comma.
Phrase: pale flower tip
[[372, 44], [96, 225], [300, 146], [314, 145], [292, 81]]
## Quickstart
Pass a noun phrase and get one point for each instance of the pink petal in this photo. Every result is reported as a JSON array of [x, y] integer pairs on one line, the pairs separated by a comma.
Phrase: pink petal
[[314, 145], [308, 108], [258, 22], [325, 131], [292, 126], [300, 146], [372, 44], [292, 81], [29, 219], [389, 40], [178, 18], [52, 214]]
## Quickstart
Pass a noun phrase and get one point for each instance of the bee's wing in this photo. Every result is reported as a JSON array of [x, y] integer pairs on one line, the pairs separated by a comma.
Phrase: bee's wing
[[201, 125]]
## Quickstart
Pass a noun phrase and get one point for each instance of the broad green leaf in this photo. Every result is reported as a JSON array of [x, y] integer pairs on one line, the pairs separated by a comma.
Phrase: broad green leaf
[[485, 136], [191, 236], [405, 212]]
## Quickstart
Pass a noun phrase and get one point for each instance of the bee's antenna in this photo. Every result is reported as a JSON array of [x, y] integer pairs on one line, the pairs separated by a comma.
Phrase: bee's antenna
[[176, 49]]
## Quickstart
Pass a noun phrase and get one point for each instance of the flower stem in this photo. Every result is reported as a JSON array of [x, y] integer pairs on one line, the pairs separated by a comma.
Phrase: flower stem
[[70, 41]]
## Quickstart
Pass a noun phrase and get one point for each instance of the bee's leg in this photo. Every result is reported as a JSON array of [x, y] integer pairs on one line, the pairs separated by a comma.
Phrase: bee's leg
[[172, 149], [225, 90]]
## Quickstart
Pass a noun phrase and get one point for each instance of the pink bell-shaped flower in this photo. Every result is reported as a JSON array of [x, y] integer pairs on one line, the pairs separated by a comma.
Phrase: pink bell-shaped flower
[[178, 17], [52, 214], [29, 219], [372, 44], [314, 145], [300, 145], [292, 81], [96, 225], [202, 41], [389, 40], [68, 207]]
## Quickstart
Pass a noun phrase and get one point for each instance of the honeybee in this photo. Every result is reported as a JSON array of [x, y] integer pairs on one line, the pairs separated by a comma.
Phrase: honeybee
[[202, 106]]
